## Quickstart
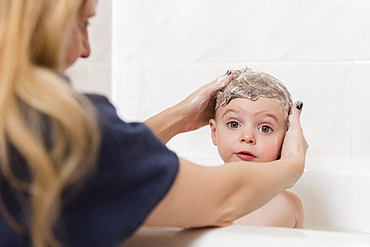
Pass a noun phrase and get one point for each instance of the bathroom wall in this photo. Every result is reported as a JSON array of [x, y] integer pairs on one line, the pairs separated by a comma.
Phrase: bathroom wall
[[150, 54]]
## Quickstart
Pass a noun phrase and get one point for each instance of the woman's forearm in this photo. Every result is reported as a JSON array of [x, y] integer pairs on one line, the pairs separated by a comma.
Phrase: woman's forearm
[[167, 123], [216, 196]]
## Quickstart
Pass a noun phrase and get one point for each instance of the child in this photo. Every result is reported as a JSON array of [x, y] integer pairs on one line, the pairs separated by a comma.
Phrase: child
[[250, 123]]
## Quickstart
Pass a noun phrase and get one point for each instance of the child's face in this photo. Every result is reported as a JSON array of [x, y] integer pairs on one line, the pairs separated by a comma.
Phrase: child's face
[[249, 130]]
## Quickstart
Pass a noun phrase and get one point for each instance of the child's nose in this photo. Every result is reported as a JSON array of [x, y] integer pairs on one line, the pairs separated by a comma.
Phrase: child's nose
[[248, 137]]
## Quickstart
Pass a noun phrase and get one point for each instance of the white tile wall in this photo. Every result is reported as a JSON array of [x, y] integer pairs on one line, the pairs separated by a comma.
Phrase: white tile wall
[[147, 55], [361, 32], [361, 112], [303, 30]]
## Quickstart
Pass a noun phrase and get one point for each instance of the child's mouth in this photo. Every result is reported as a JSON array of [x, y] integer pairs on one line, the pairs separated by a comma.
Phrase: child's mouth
[[245, 156]]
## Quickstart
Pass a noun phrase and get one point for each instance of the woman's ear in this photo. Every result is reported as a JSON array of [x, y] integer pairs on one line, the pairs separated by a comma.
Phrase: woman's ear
[[212, 125]]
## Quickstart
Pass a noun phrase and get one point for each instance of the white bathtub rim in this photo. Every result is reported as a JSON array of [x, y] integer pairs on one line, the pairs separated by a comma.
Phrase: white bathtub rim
[[239, 235]]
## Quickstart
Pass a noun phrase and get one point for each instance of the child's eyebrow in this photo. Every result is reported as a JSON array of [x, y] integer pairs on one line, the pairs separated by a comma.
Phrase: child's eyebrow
[[269, 115], [228, 111]]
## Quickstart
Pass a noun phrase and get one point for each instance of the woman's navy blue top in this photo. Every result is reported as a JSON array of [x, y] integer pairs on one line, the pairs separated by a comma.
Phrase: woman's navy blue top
[[134, 172]]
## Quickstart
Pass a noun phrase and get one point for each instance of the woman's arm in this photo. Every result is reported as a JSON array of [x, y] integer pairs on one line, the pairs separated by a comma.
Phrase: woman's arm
[[189, 114], [216, 196]]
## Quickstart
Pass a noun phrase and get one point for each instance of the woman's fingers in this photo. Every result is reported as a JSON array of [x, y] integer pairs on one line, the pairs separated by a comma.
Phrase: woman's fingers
[[223, 80], [294, 138], [199, 107], [207, 93]]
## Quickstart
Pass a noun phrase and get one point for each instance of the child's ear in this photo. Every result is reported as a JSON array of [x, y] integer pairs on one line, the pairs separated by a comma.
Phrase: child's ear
[[212, 124]]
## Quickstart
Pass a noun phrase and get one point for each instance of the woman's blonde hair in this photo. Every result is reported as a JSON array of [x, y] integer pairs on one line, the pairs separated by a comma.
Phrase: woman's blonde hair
[[49, 125]]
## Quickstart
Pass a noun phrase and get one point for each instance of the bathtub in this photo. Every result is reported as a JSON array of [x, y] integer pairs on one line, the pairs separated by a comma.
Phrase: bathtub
[[337, 205]]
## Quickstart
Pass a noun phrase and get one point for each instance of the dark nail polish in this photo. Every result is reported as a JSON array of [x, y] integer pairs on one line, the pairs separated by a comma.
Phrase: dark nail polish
[[228, 72], [299, 105]]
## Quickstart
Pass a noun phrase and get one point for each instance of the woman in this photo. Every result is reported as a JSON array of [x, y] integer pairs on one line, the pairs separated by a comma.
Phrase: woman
[[74, 174]]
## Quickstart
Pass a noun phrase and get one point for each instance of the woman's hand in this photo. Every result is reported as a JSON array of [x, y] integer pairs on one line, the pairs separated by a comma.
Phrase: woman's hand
[[193, 112], [295, 145], [199, 107]]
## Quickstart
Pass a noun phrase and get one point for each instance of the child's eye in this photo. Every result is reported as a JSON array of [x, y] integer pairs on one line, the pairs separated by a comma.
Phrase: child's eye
[[265, 129], [233, 124]]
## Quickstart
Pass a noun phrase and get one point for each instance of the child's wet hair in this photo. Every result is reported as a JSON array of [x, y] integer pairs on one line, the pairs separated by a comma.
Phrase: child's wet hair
[[252, 85]]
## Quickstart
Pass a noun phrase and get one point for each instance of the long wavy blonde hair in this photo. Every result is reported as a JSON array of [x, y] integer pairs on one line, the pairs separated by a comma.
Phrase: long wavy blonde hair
[[34, 37]]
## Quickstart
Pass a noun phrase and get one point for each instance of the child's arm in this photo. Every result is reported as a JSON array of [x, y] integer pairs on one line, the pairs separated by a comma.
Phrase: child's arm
[[284, 210]]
